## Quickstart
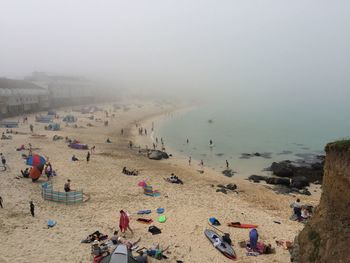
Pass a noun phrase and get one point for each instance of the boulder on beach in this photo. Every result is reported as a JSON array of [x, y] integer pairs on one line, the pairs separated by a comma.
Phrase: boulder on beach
[[158, 155], [279, 181], [282, 169], [257, 178]]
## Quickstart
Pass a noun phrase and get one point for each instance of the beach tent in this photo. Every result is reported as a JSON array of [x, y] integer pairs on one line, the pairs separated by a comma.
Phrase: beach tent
[[53, 127], [119, 255]]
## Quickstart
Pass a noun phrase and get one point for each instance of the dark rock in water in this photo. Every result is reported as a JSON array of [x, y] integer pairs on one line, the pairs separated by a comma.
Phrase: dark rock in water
[[257, 178], [285, 152], [228, 172], [279, 181], [305, 148], [257, 154], [158, 155], [219, 154]]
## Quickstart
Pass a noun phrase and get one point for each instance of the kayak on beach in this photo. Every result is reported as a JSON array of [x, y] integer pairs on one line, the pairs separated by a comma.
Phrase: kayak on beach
[[239, 225], [219, 244]]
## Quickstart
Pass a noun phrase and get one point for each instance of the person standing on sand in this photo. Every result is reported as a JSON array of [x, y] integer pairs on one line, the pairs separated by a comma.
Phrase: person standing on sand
[[122, 131], [1, 202], [124, 222], [31, 127], [227, 165], [130, 144], [93, 149], [187, 141], [201, 164], [189, 160], [88, 157], [32, 207]]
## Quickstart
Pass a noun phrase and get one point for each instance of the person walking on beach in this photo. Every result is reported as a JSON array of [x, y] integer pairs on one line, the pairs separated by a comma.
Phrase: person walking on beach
[[88, 157], [1, 202], [189, 160], [32, 208], [3, 161], [130, 144], [31, 127], [122, 131], [93, 149], [187, 141], [201, 164], [227, 164], [124, 222]]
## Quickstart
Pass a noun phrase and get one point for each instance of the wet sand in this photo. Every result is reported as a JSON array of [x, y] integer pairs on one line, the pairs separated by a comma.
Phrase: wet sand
[[187, 207]]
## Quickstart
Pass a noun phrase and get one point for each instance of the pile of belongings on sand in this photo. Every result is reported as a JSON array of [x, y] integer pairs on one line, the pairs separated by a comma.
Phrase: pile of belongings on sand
[[174, 179], [130, 172]]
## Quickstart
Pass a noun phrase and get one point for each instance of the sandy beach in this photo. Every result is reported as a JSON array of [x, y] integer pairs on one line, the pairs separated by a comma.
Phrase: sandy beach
[[187, 207]]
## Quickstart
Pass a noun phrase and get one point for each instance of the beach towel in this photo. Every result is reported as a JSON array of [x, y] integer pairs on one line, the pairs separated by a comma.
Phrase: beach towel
[[144, 212], [160, 210], [148, 190], [162, 219], [123, 222], [144, 220]]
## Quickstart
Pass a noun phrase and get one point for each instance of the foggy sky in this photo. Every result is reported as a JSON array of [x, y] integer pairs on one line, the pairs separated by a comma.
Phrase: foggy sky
[[246, 47]]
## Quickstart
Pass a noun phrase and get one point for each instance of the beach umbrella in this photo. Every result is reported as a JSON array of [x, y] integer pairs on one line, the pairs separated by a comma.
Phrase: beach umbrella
[[36, 160]]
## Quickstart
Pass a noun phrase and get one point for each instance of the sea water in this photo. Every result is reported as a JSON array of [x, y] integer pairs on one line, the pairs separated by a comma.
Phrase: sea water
[[286, 131]]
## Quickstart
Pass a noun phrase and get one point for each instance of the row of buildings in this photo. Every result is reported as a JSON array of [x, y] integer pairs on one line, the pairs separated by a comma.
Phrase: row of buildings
[[41, 91]]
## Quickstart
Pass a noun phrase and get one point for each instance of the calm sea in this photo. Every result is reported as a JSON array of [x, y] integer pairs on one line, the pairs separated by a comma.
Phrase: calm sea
[[285, 131]]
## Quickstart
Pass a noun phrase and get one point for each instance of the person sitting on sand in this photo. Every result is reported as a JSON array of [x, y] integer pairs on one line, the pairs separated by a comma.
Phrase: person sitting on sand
[[115, 237], [174, 179], [25, 173], [108, 140], [129, 244], [74, 158], [156, 252], [67, 186], [304, 213], [97, 249]]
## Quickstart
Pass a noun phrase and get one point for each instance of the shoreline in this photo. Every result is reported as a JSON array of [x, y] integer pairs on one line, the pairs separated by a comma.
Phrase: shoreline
[[187, 207]]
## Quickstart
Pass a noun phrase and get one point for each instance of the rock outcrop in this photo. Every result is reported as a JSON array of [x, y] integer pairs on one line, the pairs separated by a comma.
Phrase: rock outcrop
[[326, 237]]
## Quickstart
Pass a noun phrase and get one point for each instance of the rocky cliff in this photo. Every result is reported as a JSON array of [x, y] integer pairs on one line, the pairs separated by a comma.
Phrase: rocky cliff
[[326, 238]]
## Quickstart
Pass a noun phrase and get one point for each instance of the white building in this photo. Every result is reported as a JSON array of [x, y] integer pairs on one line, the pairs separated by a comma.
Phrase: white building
[[18, 96]]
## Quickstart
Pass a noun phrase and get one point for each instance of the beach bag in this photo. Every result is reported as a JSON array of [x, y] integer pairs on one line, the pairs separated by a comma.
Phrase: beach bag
[[214, 221], [154, 230]]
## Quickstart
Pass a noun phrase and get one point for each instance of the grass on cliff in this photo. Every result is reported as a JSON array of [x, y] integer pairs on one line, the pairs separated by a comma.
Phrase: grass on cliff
[[343, 144], [315, 239]]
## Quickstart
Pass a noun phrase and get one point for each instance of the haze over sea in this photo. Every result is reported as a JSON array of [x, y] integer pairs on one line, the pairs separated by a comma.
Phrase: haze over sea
[[301, 124]]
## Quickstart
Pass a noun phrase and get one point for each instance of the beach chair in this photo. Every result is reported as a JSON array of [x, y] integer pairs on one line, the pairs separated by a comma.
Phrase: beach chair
[[148, 190]]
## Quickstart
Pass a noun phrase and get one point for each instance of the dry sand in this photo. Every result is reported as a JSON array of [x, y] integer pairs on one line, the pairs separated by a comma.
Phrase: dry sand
[[187, 207]]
